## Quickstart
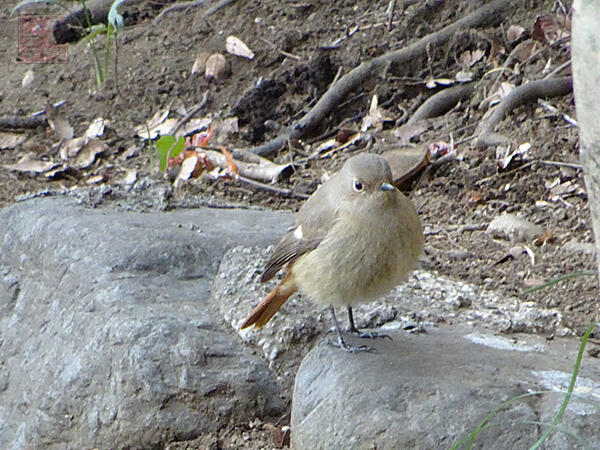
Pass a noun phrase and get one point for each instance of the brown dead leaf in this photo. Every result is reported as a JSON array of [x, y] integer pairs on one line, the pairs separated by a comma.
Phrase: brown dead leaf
[[232, 169], [550, 28], [215, 67], [28, 163], [406, 163], [343, 135], [496, 49], [468, 58], [545, 237], [514, 32], [525, 50]]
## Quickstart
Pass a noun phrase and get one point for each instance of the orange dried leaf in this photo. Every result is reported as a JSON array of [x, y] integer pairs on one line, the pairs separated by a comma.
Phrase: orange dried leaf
[[201, 139], [232, 168]]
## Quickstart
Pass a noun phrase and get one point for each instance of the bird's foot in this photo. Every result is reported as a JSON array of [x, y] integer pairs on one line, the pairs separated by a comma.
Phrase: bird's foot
[[351, 348], [369, 334]]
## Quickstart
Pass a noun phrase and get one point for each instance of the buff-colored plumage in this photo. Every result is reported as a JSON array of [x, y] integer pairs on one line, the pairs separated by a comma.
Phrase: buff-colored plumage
[[355, 239]]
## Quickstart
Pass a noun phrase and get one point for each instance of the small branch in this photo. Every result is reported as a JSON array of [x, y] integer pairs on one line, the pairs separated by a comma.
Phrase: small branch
[[547, 106], [189, 115], [10, 122], [268, 187], [550, 87]]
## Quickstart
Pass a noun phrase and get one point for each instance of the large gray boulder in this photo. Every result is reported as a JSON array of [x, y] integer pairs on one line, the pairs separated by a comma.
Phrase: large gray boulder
[[428, 390], [107, 338]]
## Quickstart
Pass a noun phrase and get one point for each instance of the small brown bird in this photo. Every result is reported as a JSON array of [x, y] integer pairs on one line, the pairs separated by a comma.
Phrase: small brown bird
[[354, 239]]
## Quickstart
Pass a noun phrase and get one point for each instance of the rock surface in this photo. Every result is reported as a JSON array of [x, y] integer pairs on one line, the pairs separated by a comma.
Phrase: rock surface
[[427, 391], [107, 336]]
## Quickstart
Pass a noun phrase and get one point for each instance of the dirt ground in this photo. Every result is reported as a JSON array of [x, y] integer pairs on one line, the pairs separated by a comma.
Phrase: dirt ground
[[296, 62]]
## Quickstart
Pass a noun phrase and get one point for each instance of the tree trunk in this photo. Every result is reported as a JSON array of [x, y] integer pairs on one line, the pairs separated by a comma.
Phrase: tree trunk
[[585, 57]]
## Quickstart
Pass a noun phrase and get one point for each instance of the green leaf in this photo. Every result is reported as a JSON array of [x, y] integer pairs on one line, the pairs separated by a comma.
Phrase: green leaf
[[168, 148]]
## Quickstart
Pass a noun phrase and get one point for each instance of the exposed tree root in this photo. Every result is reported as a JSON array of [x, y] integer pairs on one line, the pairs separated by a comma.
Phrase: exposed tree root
[[528, 92], [338, 92]]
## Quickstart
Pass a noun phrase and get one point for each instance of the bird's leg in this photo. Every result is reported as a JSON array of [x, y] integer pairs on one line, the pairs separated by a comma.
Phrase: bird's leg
[[363, 334], [340, 342]]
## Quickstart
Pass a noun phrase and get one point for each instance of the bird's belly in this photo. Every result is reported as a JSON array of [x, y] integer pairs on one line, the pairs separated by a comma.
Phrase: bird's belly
[[354, 267]]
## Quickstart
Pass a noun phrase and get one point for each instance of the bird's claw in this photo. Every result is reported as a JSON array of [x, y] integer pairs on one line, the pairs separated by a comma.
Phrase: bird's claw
[[352, 348], [369, 334]]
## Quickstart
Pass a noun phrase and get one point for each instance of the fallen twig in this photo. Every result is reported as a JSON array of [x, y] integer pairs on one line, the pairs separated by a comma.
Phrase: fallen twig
[[555, 110], [268, 187], [525, 93], [353, 79], [189, 115], [10, 122]]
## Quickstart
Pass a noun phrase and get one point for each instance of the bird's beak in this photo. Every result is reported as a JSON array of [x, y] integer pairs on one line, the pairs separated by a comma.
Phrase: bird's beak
[[386, 187]]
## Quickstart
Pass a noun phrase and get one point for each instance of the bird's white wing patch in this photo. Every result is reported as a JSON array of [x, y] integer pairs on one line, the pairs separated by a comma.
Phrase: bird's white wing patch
[[298, 233]]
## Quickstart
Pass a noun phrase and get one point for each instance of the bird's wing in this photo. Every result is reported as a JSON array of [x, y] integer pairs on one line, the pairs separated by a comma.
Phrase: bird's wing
[[312, 224]]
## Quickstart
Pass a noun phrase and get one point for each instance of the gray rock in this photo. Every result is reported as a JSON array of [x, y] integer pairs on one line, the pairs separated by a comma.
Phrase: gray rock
[[514, 228], [107, 338], [428, 391], [427, 298]]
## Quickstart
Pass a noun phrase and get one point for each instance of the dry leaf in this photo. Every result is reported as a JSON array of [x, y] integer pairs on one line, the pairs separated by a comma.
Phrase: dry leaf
[[188, 166], [95, 179], [195, 125], [215, 67], [550, 28], [96, 128], [504, 157], [11, 140], [496, 48], [468, 58], [406, 163], [545, 237], [514, 32], [200, 62], [525, 50], [88, 153], [232, 169], [72, 148], [434, 83], [464, 76], [28, 163], [158, 125], [375, 118], [236, 47]]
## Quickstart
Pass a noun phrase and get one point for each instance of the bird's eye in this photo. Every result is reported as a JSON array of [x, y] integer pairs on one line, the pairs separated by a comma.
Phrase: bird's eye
[[358, 186]]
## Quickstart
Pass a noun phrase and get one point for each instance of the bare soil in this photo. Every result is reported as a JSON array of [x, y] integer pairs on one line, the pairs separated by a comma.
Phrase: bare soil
[[456, 200]]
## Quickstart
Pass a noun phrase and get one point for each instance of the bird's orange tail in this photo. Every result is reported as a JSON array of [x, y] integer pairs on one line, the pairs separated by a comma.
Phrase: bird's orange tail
[[271, 304]]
